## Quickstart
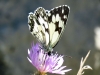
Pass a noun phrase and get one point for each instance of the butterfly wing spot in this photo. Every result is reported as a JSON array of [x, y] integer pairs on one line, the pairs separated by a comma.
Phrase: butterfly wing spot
[[37, 21], [50, 18], [53, 19], [30, 21], [62, 11], [65, 17], [31, 25], [49, 14], [58, 28], [57, 17], [40, 11], [31, 15]]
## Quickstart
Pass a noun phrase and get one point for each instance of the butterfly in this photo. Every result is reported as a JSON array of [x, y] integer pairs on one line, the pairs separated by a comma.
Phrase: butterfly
[[48, 26]]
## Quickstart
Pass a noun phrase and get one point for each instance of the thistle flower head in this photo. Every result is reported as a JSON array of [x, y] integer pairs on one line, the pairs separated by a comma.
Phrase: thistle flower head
[[46, 63]]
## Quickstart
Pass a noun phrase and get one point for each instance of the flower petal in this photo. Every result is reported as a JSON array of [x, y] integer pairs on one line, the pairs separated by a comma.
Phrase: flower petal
[[44, 62]]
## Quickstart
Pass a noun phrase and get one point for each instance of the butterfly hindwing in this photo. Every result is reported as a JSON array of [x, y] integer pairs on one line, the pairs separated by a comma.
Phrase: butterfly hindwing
[[48, 26], [38, 25]]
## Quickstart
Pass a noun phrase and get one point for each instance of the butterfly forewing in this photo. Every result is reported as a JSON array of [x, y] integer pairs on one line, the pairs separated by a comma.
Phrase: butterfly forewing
[[57, 19], [48, 26]]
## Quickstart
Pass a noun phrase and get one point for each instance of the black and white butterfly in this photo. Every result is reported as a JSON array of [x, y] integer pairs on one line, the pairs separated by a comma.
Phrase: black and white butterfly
[[48, 26]]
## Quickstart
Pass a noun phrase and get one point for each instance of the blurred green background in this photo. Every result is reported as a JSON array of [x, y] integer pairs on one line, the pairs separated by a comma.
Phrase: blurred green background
[[81, 34]]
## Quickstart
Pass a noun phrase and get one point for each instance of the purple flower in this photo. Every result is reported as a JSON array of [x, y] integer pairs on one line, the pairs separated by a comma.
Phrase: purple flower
[[44, 62]]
